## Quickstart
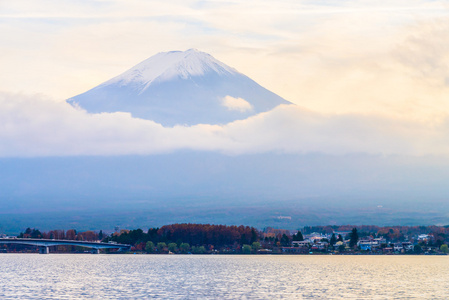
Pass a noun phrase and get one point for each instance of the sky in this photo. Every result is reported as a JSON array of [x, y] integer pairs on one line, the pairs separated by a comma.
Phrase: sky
[[367, 76]]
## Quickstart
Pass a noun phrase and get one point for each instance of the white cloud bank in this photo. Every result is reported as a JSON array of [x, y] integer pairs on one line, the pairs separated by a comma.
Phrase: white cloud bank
[[34, 126]]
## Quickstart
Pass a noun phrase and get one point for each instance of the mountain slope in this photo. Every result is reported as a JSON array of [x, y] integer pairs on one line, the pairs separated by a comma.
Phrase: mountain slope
[[184, 88]]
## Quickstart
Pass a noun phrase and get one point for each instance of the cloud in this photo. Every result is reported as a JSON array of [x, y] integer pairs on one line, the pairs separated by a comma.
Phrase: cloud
[[238, 104], [334, 54], [375, 74], [36, 126]]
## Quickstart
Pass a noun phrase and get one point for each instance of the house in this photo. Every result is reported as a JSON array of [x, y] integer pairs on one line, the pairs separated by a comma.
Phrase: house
[[315, 237], [342, 233], [319, 246], [387, 250], [423, 237], [264, 251], [397, 247], [365, 246], [407, 246], [300, 243], [295, 250], [370, 244], [380, 241]]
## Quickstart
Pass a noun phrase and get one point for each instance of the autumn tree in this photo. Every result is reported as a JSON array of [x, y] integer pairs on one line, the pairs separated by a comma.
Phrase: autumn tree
[[71, 234]]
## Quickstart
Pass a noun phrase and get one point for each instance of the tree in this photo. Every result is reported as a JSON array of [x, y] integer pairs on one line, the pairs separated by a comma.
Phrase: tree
[[333, 240], [36, 234], [149, 247], [198, 250], [285, 241], [255, 246], [152, 234], [246, 249], [298, 237], [353, 238], [444, 248], [71, 234], [253, 235], [161, 247], [89, 236], [340, 238], [172, 247], [417, 249], [184, 247]]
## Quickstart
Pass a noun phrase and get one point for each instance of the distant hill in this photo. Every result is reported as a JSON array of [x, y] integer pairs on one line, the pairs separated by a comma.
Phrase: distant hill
[[260, 190]]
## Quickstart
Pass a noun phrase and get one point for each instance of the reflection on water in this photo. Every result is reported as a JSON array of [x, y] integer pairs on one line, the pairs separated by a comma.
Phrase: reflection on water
[[66, 276]]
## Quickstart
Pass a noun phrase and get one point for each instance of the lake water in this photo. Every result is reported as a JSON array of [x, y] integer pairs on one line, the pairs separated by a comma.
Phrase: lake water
[[71, 276]]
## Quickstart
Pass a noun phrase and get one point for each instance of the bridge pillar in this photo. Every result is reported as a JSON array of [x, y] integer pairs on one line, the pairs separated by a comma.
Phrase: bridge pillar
[[43, 250], [95, 251]]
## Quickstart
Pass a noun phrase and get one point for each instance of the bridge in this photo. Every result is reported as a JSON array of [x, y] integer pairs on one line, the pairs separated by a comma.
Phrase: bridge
[[43, 244]]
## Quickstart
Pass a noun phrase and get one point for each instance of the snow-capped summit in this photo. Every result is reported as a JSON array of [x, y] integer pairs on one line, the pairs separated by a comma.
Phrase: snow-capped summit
[[168, 65], [176, 87]]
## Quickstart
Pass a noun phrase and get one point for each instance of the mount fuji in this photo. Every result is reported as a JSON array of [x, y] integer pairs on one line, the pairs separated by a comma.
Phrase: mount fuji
[[180, 88]]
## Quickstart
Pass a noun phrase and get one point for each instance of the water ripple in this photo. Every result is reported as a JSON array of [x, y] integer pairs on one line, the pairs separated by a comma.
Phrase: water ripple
[[65, 276]]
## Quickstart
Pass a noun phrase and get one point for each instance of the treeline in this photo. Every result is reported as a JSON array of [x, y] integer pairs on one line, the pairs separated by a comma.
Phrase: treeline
[[185, 238], [207, 238], [71, 234], [177, 238]]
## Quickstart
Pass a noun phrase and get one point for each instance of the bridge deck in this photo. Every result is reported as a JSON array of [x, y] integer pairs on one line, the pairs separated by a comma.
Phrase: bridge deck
[[49, 243]]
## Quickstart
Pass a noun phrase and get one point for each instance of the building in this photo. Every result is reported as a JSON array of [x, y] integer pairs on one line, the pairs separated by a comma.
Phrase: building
[[301, 243], [295, 250]]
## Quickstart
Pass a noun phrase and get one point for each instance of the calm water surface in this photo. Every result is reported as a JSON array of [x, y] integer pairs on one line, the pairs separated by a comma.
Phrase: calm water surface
[[65, 276]]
